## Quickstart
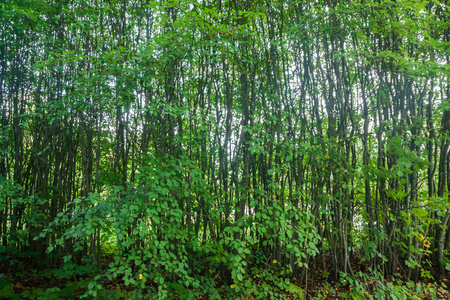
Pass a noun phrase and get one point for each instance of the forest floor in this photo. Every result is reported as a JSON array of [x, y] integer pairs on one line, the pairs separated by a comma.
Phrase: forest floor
[[23, 281]]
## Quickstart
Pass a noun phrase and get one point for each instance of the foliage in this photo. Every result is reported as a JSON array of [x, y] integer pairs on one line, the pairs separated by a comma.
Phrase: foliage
[[375, 286], [184, 146]]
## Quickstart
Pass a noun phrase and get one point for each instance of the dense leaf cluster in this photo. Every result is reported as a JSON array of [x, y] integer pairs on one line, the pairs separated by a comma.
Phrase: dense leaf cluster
[[209, 145]]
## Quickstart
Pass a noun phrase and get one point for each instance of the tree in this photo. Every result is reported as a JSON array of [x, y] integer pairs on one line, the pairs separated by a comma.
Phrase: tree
[[242, 133]]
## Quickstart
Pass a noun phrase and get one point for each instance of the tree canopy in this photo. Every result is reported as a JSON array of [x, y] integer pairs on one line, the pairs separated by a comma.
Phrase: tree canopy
[[200, 143]]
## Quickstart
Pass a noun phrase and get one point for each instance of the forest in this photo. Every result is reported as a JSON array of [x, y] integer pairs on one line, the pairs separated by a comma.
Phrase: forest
[[224, 149]]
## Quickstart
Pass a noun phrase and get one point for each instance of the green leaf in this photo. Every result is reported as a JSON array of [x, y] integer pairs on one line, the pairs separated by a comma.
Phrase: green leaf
[[420, 212]]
